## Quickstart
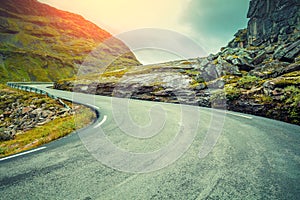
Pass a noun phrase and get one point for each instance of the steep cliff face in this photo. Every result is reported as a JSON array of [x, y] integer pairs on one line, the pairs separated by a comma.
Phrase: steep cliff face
[[41, 43], [272, 20], [267, 54]]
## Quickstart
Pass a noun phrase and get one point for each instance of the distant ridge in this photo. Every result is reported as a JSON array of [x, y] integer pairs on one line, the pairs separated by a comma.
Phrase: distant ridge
[[41, 43]]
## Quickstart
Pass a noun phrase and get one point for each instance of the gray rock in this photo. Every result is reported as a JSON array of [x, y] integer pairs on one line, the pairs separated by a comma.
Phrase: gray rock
[[279, 53], [236, 61], [212, 57], [270, 49], [292, 51], [204, 62], [291, 68], [201, 86], [45, 113], [216, 84], [268, 87], [259, 58], [269, 18], [32, 106], [210, 73], [44, 122]]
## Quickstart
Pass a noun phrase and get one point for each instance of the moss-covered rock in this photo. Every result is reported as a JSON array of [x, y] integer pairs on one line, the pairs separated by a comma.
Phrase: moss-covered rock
[[257, 73]]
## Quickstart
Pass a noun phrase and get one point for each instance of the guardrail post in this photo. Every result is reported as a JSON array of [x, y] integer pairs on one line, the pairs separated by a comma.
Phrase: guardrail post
[[36, 90]]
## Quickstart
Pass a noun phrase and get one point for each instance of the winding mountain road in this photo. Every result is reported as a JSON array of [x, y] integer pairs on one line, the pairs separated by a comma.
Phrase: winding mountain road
[[150, 150]]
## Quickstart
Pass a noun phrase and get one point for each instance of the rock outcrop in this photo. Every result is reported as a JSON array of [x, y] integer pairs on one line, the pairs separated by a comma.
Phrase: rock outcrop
[[257, 73], [41, 43], [272, 20], [21, 111]]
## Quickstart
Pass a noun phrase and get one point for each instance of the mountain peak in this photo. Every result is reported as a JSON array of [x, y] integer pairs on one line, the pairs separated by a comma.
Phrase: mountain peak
[[35, 11]]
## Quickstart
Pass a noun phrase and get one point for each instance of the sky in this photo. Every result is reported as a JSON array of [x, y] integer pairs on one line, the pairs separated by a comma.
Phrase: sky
[[210, 24]]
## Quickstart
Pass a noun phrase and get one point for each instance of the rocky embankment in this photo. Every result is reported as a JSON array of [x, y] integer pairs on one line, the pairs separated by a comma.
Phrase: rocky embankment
[[21, 111], [257, 73]]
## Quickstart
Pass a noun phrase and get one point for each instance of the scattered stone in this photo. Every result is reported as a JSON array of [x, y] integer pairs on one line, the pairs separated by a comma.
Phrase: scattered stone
[[26, 110], [19, 116], [291, 52], [259, 58]]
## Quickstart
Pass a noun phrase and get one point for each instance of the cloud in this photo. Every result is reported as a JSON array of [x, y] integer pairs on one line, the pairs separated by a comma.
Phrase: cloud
[[152, 45], [210, 23], [214, 22], [119, 16]]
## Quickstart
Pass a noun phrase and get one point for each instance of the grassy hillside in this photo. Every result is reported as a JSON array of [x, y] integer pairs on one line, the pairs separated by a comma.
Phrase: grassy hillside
[[41, 43]]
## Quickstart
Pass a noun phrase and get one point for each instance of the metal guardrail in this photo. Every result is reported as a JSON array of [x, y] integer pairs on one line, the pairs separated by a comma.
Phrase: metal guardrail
[[24, 86], [29, 83]]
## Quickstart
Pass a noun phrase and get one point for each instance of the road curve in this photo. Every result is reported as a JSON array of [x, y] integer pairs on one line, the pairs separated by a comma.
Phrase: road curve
[[253, 158]]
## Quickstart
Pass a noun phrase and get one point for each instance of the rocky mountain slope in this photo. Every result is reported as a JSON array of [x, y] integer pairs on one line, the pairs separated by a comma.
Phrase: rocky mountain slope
[[257, 73], [41, 43]]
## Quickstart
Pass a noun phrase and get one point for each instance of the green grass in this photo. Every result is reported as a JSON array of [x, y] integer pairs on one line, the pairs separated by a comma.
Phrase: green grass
[[53, 130], [287, 81], [292, 94], [247, 82], [232, 92], [47, 50]]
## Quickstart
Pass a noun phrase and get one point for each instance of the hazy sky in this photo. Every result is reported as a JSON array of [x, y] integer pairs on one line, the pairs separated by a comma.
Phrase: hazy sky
[[209, 23]]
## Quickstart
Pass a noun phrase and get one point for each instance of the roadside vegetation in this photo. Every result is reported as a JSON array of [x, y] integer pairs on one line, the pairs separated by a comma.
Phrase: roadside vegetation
[[23, 138]]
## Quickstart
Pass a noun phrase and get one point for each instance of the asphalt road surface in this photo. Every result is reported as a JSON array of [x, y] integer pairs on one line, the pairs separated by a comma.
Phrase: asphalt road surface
[[150, 150]]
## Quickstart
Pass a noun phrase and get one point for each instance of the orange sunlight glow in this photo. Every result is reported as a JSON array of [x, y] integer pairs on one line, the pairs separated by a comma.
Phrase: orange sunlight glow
[[117, 16]]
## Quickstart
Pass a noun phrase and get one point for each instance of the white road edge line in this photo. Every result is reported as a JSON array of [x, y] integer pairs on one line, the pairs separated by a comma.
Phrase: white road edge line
[[235, 114], [23, 153], [102, 122], [239, 115], [93, 106]]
